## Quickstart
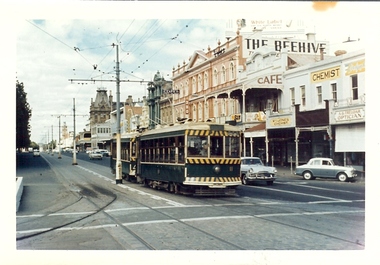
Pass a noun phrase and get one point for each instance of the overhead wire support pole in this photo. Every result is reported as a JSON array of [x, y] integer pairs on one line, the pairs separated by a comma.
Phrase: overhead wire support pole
[[59, 135], [74, 147], [119, 178]]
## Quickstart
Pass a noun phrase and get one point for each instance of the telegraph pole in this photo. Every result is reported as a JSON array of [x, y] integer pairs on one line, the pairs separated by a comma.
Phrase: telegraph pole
[[74, 147], [52, 141], [119, 178], [59, 136]]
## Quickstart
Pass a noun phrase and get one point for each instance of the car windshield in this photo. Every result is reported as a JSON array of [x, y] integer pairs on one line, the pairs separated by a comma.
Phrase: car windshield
[[252, 161]]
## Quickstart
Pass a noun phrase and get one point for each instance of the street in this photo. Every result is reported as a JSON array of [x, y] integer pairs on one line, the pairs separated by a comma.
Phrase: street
[[81, 208]]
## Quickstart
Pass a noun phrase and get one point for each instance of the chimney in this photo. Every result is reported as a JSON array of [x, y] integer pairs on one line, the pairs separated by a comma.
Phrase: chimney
[[310, 36], [322, 52]]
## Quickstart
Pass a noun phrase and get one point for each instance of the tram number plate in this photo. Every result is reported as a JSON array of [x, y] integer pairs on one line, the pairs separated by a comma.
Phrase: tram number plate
[[217, 185]]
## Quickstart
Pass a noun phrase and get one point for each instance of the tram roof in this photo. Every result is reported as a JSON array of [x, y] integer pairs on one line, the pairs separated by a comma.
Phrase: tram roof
[[181, 128]]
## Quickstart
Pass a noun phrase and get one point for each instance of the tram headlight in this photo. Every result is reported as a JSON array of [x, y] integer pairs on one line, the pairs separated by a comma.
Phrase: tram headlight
[[217, 169]]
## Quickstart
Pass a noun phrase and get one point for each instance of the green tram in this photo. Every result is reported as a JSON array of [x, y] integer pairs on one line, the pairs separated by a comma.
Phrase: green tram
[[128, 155], [189, 158]]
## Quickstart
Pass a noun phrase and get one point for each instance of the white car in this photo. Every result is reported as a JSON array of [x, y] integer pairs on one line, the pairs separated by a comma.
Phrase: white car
[[253, 169], [325, 168], [36, 152], [95, 155]]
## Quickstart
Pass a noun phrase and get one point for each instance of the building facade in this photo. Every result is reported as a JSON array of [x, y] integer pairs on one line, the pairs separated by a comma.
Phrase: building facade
[[100, 110], [322, 112]]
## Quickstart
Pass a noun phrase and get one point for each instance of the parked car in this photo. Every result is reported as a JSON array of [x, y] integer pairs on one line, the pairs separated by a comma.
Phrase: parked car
[[36, 152], [325, 168], [104, 152], [253, 169], [95, 155]]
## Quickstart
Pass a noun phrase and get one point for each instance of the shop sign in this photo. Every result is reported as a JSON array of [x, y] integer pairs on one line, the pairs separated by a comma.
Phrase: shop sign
[[293, 46], [349, 115], [355, 67], [326, 74], [270, 80], [280, 122]]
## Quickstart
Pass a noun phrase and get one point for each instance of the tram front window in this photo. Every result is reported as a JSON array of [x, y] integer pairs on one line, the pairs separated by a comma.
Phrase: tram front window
[[216, 147], [197, 146]]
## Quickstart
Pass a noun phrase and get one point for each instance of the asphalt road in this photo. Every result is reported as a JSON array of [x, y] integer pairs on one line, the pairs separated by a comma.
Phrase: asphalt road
[[79, 207]]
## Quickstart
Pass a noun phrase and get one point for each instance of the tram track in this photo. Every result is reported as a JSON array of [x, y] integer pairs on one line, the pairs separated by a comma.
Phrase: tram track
[[91, 190]]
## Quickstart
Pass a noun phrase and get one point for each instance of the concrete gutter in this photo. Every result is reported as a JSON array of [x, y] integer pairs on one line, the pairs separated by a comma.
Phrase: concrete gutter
[[19, 190]]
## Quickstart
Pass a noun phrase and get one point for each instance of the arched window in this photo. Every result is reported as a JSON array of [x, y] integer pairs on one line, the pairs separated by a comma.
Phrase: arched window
[[232, 71], [200, 111], [224, 78], [215, 77], [205, 81], [186, 88], [194, 85], [194, 112], [200, 86]]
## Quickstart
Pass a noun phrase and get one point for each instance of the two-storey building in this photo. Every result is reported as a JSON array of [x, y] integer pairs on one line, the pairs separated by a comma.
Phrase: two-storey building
[[322, 112]]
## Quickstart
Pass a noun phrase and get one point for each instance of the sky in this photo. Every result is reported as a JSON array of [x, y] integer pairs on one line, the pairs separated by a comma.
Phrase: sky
[[51, 49]]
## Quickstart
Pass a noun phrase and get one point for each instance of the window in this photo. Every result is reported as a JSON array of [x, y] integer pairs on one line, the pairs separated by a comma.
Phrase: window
[[205, 81], [215, 77], [200, 87], [334, 92], [354, 85], [194, 86], [303, 96], [292, 96], [224, 74], [232, 146], [232, 71], [197, 146], [319, 94]]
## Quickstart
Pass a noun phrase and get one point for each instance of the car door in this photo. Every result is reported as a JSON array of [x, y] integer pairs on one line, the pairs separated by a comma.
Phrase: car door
[[327, 169], [315, 167]]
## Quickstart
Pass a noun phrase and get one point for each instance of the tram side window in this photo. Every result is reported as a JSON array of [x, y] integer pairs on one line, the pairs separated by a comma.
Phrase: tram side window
[[232, 147], [197, 146], [181, 149], [133, 151], [216, 147]]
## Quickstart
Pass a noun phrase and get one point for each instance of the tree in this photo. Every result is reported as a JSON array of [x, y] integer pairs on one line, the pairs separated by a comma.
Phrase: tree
[[23, 115]]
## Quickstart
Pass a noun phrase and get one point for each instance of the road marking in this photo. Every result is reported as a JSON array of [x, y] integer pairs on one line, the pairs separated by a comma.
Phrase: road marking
[[151, 222], [307, 213], [154, 197], [197, 219], [215, 218], [305, 184], [75, 213], [30, 216], [299, 193], [126, 209]]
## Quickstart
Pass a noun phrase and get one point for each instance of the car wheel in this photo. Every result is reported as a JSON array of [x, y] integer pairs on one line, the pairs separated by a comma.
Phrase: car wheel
[[307, 175], [342, 177], [243, 180]]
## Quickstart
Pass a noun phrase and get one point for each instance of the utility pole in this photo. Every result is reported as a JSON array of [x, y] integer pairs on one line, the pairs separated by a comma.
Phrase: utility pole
[[59, 136], [118, 177], [52, 141], [74, 147]]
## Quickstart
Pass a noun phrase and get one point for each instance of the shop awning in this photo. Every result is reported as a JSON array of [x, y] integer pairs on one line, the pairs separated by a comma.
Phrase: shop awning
[[256, 131]]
